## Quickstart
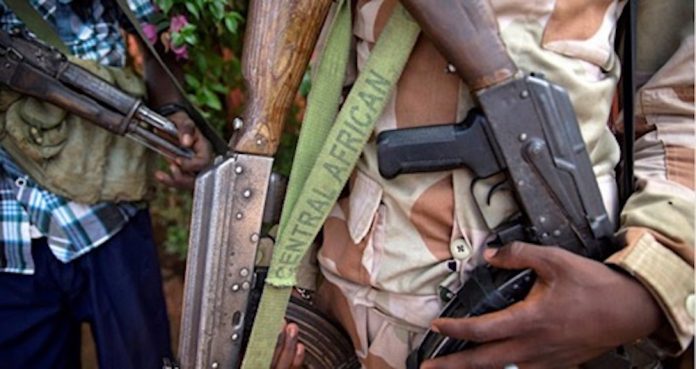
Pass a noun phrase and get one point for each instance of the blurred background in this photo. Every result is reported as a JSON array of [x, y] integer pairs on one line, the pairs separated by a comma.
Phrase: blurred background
[[206, 38]]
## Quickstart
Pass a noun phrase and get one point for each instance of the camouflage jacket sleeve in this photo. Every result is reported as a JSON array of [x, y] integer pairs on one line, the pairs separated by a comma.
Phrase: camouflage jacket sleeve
[[657, 223]]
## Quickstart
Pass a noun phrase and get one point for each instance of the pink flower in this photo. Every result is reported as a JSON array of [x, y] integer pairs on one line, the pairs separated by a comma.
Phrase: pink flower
[[177, 23], [181, 52], [150, 31]]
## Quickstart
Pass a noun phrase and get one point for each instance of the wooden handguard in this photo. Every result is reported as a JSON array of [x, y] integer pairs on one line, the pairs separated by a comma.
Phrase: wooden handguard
[[466, 33], [279, 41]]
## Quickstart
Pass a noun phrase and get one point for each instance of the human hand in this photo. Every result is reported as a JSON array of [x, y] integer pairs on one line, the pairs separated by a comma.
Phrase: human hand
[[289, 352], [577, 309], [182, 172]]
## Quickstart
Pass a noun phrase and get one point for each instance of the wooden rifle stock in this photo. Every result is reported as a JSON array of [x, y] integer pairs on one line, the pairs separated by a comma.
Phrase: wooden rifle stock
[[222, 281], [279, 41], [466, 33]]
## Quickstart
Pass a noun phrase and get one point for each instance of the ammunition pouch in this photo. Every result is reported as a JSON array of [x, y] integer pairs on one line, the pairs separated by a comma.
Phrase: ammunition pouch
[[73, 158]]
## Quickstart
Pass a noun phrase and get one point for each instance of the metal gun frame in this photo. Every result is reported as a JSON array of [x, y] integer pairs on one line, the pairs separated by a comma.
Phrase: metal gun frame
[[32, 68], [532, 136]]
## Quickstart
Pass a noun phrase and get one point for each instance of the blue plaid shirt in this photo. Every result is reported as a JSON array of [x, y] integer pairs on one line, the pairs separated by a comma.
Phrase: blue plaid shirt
[[95, 38], [72, 229]]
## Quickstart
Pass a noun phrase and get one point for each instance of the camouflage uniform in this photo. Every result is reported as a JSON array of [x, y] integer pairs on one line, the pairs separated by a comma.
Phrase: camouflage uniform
[[392, 246]]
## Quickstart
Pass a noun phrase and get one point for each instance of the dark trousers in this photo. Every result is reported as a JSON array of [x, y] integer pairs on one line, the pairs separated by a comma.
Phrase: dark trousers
[[116, 288]]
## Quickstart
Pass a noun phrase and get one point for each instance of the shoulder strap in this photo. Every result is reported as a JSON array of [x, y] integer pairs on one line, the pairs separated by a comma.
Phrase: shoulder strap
[[628, 91], [219, 145], [37, 24], [323, 166]]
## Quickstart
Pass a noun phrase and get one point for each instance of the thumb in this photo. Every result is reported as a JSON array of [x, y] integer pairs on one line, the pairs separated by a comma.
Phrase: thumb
[[521, 255]]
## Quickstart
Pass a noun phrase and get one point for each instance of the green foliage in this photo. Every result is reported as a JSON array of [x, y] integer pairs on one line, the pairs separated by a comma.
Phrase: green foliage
[[211, 35], [213, 40]]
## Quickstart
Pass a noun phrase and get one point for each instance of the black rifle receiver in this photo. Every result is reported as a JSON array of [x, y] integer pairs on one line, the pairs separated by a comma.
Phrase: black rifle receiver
[[528, 131]]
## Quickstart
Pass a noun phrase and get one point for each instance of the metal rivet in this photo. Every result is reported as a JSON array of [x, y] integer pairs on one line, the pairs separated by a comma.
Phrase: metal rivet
[[235, 337], [259, 142], [524, 94], [34, 130], [255, 237], [235, 288], [215, 365], [523, 137], [245, 286], [542, 219], [244, 272], [544, 235], [237, 124], [520, 183], [557, 233], [39, 140], [239, 216], [238, 170], [536, 150], [450, 69], [246, 193]]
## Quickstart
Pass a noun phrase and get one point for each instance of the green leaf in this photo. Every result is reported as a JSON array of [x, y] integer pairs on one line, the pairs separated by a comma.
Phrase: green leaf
[[193, 9], [191, 39], [219, 88], [177, 39], [231, 24], [165, 5], [191, 81], [211, 100], [201, 61], [217, 8], [188, 32]]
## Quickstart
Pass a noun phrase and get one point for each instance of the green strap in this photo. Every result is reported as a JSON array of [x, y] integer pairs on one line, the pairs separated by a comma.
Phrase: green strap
[[324, 97], [37, 24], [327, 162]]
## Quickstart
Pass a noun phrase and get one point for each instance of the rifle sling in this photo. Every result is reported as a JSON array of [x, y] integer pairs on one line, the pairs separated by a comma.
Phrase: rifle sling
[[319, 173], [37, 24], [628, 90]]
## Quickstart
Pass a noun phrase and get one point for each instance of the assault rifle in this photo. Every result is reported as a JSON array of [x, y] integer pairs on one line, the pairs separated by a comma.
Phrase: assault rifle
[[33, 68], [527, 130], [223, 280]]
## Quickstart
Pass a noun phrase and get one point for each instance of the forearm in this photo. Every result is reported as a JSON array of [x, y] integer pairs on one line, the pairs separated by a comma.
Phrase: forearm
[[160, 89]]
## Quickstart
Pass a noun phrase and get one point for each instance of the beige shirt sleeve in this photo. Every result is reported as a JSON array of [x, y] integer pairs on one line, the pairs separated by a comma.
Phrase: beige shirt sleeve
[[657, 223]]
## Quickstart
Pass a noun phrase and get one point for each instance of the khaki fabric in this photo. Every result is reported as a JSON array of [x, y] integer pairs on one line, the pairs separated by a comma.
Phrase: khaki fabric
[[658, 220], [72, 157], [391, 245]]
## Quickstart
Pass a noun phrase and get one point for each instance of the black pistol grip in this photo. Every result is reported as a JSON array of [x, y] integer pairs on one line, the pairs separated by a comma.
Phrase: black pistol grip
[[438, 147]]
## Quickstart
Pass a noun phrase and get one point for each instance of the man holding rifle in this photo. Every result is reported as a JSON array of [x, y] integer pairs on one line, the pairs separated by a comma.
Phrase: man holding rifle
[[76, 243], [395, 250]]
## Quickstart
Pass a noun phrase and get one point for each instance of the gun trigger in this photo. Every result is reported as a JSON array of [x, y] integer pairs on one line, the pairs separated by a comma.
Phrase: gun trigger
[[500, 186], [495, 243]]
